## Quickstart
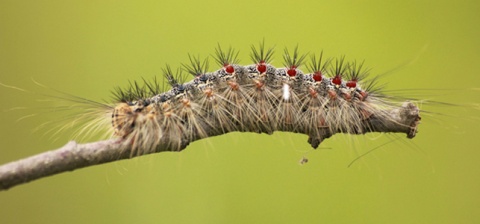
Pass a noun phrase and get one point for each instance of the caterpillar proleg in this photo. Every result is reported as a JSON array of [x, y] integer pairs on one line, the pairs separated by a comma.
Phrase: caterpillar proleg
[[333, 96]]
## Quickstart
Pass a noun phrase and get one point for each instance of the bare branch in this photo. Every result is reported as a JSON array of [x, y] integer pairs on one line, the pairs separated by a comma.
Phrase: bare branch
[[73, 156], [67, 158]]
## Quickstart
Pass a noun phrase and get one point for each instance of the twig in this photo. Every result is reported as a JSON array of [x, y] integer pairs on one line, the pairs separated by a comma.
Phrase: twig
[[73, 156], [67, 158]]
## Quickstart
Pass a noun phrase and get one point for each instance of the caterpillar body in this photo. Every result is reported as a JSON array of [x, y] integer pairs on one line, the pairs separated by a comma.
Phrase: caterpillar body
[[334, 97]]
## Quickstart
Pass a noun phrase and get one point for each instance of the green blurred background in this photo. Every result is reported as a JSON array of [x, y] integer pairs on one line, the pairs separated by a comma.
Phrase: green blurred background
[[86, 48]]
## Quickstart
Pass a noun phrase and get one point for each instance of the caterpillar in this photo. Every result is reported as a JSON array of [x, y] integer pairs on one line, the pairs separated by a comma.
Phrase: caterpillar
[[336, 96]]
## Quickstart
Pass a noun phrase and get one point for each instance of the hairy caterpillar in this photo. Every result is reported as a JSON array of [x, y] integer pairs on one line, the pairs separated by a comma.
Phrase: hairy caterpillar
[[336, 96], [258, 98]]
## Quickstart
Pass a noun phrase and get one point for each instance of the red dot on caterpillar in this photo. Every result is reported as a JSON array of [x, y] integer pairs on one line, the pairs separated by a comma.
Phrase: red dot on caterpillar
[[337, 80], [229, 69], [292, 71], [317, 76], [261, 56], [226, 58], [351, 84], [339, 71], [293, 61], [262, 67]]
